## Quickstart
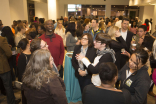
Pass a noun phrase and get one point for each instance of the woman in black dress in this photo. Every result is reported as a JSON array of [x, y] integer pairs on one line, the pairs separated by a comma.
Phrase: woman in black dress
[[106, 93], [23, 60]]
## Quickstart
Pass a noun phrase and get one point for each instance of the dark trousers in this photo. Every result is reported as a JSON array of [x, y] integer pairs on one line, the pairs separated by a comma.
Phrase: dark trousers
[[7, 82], [24, 100], [12, 64], [84, 81], [61, 72]]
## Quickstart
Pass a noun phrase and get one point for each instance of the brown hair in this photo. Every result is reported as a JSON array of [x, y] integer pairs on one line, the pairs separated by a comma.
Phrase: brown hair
[[90, 39], [20, 27], [101, 25], [38, 70], [104, 38], [35, 44], [31, 33]]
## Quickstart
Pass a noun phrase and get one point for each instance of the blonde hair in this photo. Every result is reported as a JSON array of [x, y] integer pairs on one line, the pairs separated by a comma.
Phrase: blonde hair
[[102, 26], [57, 27], [112, 32]]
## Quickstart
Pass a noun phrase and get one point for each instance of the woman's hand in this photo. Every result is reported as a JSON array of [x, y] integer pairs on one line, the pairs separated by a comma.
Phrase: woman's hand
[[126, 53], [78, 42], [79, 56], [82, 73]]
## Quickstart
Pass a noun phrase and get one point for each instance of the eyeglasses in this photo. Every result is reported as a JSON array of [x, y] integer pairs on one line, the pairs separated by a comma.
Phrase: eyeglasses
[[84, 39], [133, 61], [97, 41]]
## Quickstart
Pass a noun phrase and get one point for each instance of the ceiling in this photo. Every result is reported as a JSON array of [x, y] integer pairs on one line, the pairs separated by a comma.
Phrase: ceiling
[[141, 2]]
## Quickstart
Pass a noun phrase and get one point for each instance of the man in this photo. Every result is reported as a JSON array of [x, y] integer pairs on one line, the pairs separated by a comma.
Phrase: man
[[127, 36], [118, 23], [95, 29], [55, 45], [5, 74], [65, 23]]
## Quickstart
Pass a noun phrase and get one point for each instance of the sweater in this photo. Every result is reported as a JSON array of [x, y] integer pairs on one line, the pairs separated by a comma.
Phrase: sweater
[[55, 46]]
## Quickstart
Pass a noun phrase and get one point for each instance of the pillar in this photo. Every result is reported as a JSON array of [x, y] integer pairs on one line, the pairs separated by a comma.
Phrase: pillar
[[5, 12], [108, 10]]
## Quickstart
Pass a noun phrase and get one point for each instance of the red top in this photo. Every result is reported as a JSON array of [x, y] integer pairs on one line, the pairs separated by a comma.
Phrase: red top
[[55, 46], [147, 26]]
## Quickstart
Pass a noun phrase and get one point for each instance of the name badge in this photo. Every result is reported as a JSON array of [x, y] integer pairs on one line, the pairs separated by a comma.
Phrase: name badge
[[128, 82]]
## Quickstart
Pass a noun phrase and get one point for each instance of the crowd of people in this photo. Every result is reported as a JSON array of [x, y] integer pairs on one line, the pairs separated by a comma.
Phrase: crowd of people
[[111, 58]]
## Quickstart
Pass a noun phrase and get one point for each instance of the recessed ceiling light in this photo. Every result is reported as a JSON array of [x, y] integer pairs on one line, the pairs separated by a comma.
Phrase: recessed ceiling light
[[93, 8]]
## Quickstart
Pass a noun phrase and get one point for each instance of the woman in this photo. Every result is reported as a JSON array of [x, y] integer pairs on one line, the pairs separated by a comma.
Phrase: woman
[[20, 35], [102, 26], [41, 30], [106, 93], [71, 38], [7, 32], [135, 78], [108, 25], [23, 60], [133, 28], [104, 54], [40, 44], [147, 24], [117, 43], [86, 28], [60, 30], [40, 83], [79, 30], [86, 48]]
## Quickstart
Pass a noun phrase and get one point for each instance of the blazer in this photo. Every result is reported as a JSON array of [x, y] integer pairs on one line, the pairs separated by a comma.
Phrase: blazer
[[125, 58], [91, 54], [138, 83], [5, 53]]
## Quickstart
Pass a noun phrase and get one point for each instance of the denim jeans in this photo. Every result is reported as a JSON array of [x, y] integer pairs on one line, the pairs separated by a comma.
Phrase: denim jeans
[[7, 82]]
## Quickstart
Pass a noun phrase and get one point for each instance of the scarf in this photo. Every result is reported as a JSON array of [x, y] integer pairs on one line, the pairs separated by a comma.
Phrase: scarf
[[107, 50]]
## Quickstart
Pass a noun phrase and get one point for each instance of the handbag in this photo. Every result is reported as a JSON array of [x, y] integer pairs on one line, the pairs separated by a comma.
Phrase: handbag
[[152, 62]]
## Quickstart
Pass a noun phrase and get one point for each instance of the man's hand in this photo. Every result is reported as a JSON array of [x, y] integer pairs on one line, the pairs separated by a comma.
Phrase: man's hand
[[59, 67]]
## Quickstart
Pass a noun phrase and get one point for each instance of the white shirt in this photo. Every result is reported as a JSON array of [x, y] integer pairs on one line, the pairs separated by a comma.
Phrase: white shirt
[[124, 35], [61, 33], [128, 73], [118, 23], [95, 77]]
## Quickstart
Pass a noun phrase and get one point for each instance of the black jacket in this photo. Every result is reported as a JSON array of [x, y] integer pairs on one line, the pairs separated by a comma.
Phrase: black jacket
[[91, 54], [138, 83]]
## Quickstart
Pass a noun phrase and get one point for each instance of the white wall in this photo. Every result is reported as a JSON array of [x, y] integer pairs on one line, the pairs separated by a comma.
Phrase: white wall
[[154, 19], [18, 9], [41, 10], [5, 13], [148, 12]]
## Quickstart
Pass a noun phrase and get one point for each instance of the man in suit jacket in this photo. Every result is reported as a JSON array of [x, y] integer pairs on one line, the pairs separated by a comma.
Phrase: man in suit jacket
[[5, 75], [127, 36]]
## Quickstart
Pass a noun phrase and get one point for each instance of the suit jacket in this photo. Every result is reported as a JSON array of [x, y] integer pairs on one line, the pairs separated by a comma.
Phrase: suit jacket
[[124, 58], [91, 54], [5, 53]]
